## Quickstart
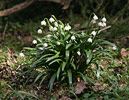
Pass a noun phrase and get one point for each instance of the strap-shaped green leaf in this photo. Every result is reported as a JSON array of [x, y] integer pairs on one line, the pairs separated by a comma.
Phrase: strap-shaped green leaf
[[37, 78], [73, 65], [43, 79], [89, 55], [53, 57], [56, 60], [28, 94], [58, 72], [19, 94], [82, 76], [67, 53], [70, 77], [63, 65], [68, 45], [51, 82]]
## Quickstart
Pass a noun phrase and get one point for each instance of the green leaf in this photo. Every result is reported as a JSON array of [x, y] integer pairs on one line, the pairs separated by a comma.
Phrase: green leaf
[[73, 65], [42, 80], [82, 76], [67, 37], [58, 72], [67, 53], [107, 42], [28, 48], [70, 77], [51, 82], [70, 91], [37, 78], [63, 65], [56, 60], [68, 45], [91, 80], [29, 94], [53, 57], [19, 94], [89, 55]]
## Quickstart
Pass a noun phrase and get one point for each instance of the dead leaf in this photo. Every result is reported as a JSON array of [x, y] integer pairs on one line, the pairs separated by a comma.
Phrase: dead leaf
[[124, 53], [80, 87]]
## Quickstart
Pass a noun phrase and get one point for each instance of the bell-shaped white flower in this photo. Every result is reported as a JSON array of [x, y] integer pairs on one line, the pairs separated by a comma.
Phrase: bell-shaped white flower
[[104, 24], [104, 19], [49, 35], [61, 26], [93, 21], [93, 33], [69, 27], [79, 53], [21, 54], [95, 17], [34, 42], [43, 23], [100, 24], [90, 40], [56, 24], [51, 28], [51, 20], [73, 38], [40, 31], [54, 29], [66, 28], [58, 43], [45, 44], [57, 33], [114, 48]]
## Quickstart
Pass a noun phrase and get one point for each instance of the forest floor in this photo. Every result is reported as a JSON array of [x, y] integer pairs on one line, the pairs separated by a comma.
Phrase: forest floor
[[16, 86]]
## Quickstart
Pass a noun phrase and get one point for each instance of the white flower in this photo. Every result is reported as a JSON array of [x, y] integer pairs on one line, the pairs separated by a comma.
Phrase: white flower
[[89, 40], [104, 19], [61, 26], [114, 48], [73, 38], [95, 17], [34, 41], [45, 44], [93, 33], [51, 28], [104, 24], [94, 50], [21, 54], [40, 31], [49, 35], [54, 29], [68, 27], [93, 21], [56, 24], [79, 53], [43, 23], [57, 33], [58, 43], [51, 20], [100, 24]]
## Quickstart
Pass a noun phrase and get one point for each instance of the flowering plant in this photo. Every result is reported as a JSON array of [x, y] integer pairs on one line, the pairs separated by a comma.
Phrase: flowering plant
[[65, 55]]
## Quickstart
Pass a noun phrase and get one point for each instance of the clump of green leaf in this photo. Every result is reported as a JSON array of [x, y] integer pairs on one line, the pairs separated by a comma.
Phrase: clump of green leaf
[[64, 55]]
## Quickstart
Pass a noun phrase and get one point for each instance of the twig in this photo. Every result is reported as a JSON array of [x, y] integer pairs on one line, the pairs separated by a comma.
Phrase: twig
[[105, 28], [6, 26]]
